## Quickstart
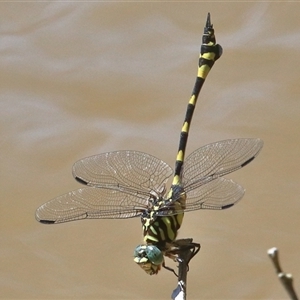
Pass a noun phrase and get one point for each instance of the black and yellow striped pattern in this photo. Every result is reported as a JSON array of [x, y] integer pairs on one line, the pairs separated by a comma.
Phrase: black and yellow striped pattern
[[210, 52], [164, 229]]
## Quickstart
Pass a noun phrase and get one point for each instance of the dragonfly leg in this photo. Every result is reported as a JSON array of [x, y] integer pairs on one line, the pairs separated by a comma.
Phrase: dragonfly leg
[[169, 269], [178, 248]]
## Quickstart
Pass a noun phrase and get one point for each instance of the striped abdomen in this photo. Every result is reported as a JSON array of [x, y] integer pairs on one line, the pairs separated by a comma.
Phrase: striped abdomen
[[210, 52]]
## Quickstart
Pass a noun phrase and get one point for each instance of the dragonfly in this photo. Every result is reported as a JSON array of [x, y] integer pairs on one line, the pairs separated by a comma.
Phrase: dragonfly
[[128, 183]]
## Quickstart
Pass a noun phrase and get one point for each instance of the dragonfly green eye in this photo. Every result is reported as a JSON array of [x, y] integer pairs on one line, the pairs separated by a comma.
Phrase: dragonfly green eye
[[149, 258], [148, 253]]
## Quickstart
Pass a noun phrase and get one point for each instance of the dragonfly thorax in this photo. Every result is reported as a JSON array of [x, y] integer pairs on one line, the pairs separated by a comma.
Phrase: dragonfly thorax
[[163, 208]]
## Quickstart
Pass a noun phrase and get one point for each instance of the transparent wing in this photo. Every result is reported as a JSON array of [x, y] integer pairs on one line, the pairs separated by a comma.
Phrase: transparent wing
[[123, 170], [91, 203], [218, 159], [220, 193]]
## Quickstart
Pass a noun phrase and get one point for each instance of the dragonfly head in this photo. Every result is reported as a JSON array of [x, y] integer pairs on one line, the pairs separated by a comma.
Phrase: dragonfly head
[[149, 258]]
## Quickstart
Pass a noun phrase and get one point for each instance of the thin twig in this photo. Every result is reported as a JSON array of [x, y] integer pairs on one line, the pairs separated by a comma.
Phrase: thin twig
[[186, 251], [285, 278], [180, 292]]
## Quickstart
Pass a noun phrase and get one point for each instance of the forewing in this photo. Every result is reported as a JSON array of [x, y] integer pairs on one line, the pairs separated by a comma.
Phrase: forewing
[[120, 169], [220, 193], [218, 159], [91, 203]]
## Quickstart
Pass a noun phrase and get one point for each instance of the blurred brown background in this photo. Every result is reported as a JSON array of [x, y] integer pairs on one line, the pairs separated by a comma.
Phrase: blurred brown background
[[79, 79]]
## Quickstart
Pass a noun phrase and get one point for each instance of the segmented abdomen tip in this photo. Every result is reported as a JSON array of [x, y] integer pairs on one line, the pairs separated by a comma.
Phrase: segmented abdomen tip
[[208, 23]]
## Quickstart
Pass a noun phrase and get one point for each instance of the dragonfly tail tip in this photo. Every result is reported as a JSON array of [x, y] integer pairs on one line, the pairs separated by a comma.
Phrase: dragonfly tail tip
[[208, 22]]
